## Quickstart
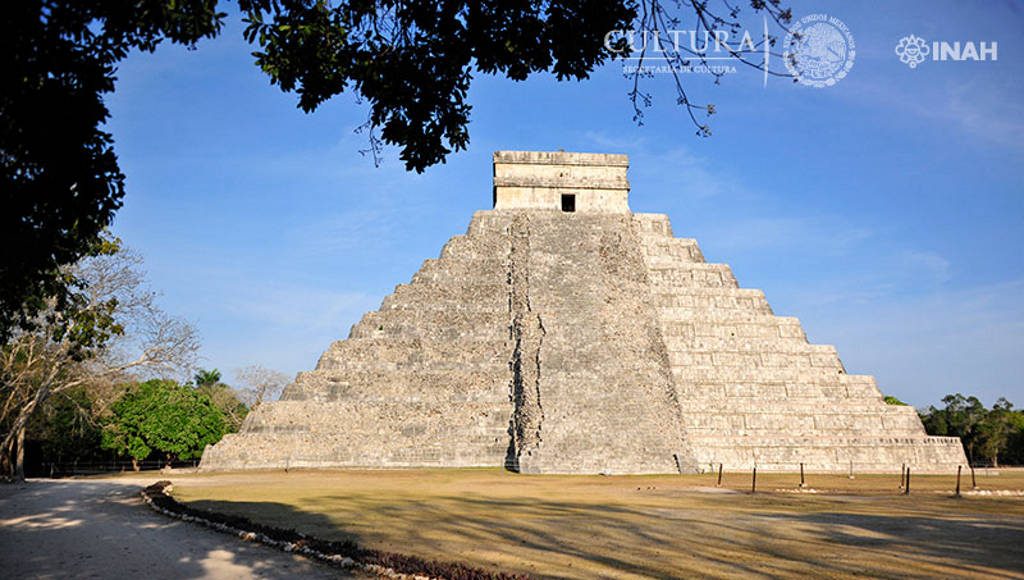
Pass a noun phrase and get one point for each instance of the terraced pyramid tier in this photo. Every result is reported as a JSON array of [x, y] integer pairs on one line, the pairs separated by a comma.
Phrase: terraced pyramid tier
[[573, 336]]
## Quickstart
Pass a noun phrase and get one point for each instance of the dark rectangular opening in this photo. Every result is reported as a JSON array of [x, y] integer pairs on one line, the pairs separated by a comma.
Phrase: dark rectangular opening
[[568, 202]]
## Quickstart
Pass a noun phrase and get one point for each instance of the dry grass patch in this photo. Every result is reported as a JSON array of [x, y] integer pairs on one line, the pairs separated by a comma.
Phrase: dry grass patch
[[587, 526]]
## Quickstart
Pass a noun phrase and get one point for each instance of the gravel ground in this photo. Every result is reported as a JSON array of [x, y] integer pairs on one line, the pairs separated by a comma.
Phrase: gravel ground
[[101, 529]]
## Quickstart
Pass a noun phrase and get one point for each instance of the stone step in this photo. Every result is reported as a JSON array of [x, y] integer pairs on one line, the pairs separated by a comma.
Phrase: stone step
[[489, 224], [666, 253], [669, 303], [385, 350], [692, 275], [743, 344], [460, 247], [298, 451], [694, 358], [473, 268], [362, 417], [411, 308], [707, 392], [713, 298], [779, 424], [440, 297], [455, 289], [722, 325], [427, 319], [653, 224], [758, 374], [416, 361], [417, 384], [747, 405], [375, 325], [733, 425]]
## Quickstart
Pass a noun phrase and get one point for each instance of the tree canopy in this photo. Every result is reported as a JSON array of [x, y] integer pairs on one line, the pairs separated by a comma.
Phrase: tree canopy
[[162, 416], [988, 434]]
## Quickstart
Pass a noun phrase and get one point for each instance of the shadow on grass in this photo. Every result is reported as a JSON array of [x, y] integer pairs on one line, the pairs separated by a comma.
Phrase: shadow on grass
[[704, 536]]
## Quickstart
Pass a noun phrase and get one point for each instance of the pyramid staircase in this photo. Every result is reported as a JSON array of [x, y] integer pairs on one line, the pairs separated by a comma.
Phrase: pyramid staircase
[[584, 341]]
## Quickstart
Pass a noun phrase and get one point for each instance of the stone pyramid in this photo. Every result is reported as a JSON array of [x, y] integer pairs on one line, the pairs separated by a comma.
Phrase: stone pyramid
[[564, 334]]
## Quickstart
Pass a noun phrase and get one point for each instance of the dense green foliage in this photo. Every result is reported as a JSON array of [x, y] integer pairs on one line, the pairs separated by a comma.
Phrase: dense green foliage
[[891, 400], [162, 416], [991, 435]]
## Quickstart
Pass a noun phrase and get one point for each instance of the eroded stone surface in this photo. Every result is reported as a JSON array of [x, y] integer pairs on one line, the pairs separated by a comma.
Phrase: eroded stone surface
[[590, 341]]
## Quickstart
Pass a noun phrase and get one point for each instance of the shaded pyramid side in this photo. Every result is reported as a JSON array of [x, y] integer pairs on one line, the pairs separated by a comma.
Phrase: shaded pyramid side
[[422, 381], [753, 390]]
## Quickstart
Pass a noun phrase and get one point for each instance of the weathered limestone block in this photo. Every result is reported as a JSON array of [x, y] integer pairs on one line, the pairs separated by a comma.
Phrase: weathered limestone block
[[564, 334]]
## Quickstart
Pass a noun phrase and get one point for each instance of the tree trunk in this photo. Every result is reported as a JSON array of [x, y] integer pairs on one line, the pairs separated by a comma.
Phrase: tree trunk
[[5, 464], [19, 458]]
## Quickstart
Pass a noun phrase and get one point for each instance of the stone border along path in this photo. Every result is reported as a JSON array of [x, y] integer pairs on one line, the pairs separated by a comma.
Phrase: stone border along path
[[341, 554]]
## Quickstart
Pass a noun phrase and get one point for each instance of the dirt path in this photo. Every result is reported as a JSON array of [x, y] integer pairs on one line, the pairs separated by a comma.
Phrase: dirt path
[[100, 529]]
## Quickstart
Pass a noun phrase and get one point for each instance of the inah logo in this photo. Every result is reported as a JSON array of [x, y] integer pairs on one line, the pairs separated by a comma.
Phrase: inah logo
[[819, 50], [913, 50]]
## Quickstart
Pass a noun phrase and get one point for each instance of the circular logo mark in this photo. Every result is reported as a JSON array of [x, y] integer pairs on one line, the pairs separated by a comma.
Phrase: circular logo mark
[[912, 50], [819, 50]]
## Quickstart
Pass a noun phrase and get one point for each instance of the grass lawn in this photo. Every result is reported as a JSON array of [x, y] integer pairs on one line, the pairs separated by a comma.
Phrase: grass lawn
[[591, 526]]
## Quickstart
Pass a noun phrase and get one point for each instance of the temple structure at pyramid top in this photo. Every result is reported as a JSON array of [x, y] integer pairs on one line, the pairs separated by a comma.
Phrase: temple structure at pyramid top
[[565, 334], [584, 182]]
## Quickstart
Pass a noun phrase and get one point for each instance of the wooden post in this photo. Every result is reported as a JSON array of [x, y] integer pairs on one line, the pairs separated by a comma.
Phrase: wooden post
[[719, 484], [803, 482], [958, 469], [851, 469], [753, 481], [903, 475], [974, 482], [906, 490]]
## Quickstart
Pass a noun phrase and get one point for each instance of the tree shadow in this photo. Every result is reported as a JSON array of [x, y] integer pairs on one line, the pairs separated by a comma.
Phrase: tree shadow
[[708, 537]]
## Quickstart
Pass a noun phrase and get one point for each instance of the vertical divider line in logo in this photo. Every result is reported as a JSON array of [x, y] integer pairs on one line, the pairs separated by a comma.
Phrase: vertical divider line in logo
[[767, 52]]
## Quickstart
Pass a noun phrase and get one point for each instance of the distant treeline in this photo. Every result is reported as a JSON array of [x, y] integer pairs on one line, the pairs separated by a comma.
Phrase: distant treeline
[[991, 436], [160, 422]]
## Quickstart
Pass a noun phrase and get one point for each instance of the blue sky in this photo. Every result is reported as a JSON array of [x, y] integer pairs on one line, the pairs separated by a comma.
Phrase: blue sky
[[886, 211]]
